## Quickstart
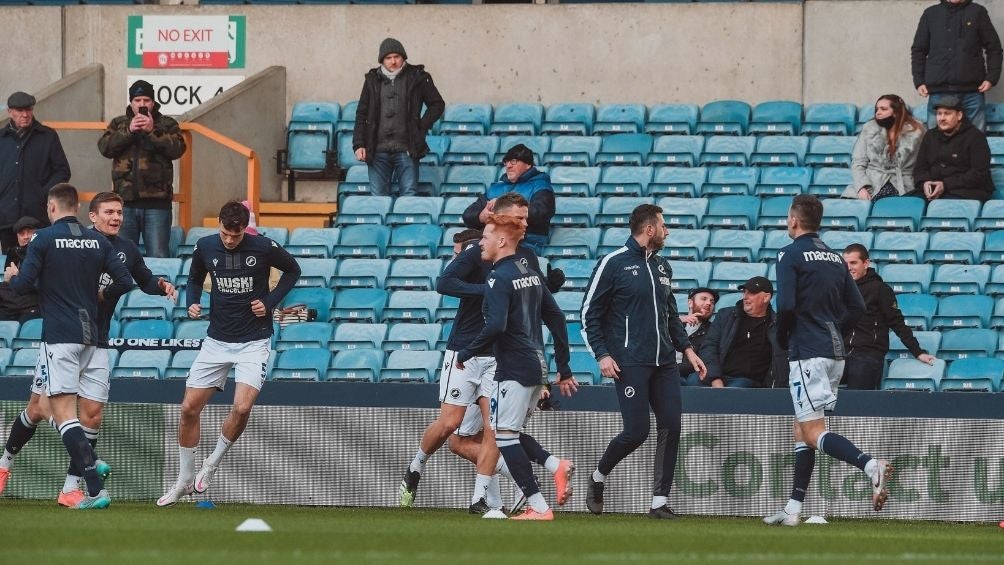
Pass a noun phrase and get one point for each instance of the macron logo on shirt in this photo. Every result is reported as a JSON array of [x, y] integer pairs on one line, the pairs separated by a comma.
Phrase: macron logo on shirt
[[821, 256], [64, 243]]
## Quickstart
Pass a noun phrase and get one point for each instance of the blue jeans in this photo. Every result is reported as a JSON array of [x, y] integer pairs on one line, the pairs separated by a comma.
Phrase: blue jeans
[[730, 382], [154, 224], [382, 170], [972, 105]]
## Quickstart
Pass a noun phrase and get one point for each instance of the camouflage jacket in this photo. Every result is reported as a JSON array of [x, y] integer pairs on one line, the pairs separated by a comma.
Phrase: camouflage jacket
[[141, 162]]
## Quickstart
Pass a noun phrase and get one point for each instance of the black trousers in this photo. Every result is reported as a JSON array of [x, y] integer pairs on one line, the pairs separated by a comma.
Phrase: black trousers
[[863, 372]]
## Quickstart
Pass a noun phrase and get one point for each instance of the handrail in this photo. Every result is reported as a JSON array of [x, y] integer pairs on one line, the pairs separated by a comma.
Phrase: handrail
[[184, 194]]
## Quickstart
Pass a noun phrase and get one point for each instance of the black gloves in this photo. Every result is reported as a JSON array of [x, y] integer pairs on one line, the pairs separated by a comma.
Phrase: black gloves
[[555, 278]]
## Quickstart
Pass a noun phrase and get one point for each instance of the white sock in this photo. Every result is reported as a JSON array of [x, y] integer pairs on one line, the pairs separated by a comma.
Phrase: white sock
[[7, 460], [493, 494], [793, 507], [659, 501], [599, 477], [871, 468], [223, 445], [538, 503], [552, 464], [186, 457], [71, 483], [418, 463], [503, 469], [480, 488]]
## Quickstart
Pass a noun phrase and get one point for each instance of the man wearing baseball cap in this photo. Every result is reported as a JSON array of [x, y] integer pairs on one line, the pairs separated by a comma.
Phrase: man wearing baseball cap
[[14, 306], [32, 161], [741, 349], [701, 303], [954, 159]]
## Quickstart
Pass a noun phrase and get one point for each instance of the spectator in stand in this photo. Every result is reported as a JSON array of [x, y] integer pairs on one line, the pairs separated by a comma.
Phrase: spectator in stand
[[742, 350], [523, 177], [885, 152], [14, 306], [390, 127], [954, 159], [956, 52], [868, 341], [697, 321], [31, 162]]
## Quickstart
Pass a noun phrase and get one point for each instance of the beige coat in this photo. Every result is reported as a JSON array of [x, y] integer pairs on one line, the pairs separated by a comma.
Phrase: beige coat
[[872, 166]]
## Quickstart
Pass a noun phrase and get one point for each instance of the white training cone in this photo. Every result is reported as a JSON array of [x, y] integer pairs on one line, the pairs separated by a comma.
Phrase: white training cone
[[254, 525], [816, 520]]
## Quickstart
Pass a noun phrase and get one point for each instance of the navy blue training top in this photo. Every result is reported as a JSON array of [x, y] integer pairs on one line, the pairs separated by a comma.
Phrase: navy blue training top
[[127, 252], [239, 277]]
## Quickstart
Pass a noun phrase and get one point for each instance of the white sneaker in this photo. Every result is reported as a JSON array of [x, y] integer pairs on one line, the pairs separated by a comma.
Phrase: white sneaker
[[205, 477], [171, 497], [782, 518], [880, 483]]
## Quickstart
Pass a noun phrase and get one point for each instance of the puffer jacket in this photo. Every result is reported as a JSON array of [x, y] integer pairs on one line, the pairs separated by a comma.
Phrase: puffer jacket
[[142, 167]]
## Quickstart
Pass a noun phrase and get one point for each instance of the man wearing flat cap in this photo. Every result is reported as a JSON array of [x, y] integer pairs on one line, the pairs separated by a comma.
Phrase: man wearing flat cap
[[31, 162], [954, 159], [142, 145], [701, 303], [523, 177], [742, 350]]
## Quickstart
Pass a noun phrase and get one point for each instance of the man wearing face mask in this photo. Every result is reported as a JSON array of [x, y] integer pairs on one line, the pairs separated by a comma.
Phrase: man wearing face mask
[[885, 152], [953, 160]]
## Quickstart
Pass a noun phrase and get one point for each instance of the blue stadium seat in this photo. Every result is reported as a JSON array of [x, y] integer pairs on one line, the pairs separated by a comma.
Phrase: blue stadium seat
[[357, 336], [575, 212], [773, 242], [966, 343], [577, 151], [683, 212], [311, 135], [734, 212], [430, 178], [991, 216], [362, 241], [616, 211], [168, 267], [517, 119], [830, 119], [963, 311], [780, 151], [147, 329], [624, 181], [901, 213], [411, 366], [728, 150], [686, 244], [575, 181], [573, 243], [954, 247], [356, 365], [728, 275], [191, 329], [316, 272], [867, 112], [730, 180], [570, 303], [996, 151], [539, 144], [959, 279], [469, 180], [624, 149], [612, 240], [844, 214], [993, 248], [358, 305], [470, 119], [678, 150], [180, 363], [414, 274], [911, 374], [930, 341], [279, 235], [139, 305], [728, 299], [568, 119], [734, 245], [347, 121], [690, 274], [899, 247], [584, 368], [783, 181], [577, 272], [346, 156], [908, 278], [6, 354], [619, 118], [320, 299], [8, 331], [997, 178], [950, 215], [306, 364], [917, 310], [677, 181], [724, 117], [453, 211], [997, 320], [776, 117], [357, 181], [357, 209], [829, 181], [412, 306], [672, 119], [313, 242], [830, 151], [994, 118], [193, 235], [416, 241], [22, 363], [438, 146], [996, 285], [415, 210], [838, 240], [471, 150], [447, 311], [142, 364], [415, 337], [974, 374]]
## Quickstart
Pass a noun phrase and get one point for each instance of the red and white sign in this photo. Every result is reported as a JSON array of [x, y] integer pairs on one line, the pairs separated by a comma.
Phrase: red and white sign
[[185, 42]]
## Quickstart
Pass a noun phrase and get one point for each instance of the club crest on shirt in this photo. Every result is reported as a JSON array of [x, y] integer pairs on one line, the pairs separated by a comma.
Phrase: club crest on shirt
[[629, 392], [122, 256], [523, 262], [250, 261], [662, 269]]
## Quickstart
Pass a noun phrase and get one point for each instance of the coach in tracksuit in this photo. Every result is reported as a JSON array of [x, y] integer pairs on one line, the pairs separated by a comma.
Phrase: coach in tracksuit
[[817, 301], [631, 325]]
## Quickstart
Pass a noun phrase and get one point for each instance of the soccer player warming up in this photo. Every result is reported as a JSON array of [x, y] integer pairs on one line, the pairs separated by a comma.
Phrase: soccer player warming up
[[240, 329], [817, 300]]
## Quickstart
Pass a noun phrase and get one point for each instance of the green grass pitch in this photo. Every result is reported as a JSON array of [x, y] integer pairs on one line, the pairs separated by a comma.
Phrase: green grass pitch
[[37, 532]]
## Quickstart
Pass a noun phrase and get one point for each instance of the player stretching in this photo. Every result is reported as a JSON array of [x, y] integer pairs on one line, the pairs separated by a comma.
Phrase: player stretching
[[106, 214], [240, 330], [515, 301], [817, 300]]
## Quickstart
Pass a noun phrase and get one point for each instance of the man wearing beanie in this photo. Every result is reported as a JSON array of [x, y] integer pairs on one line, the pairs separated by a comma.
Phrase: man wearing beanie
[[390, 126], [521, 177], [31, 162], [142, 145]]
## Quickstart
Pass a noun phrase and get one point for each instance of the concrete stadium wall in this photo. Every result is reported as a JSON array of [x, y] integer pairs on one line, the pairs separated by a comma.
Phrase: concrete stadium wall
[[31, 56]]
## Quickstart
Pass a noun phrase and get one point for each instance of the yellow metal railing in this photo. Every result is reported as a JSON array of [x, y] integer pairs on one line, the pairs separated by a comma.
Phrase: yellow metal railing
[[183, 196]]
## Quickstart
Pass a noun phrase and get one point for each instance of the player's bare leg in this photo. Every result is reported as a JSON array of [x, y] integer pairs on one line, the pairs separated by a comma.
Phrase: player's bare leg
[[189, 433], [434, 436], [235, 424]]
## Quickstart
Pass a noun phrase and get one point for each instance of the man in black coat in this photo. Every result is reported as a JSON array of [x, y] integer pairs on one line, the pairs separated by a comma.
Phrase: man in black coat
[[953, 161], [390, 127], [700, 308], [947, 56], [31, 162]]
